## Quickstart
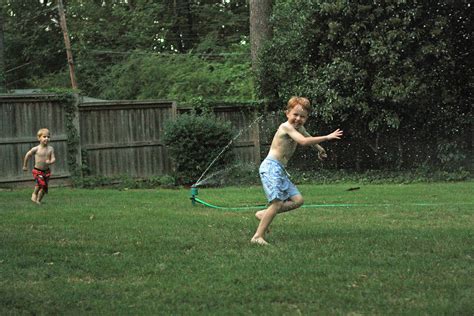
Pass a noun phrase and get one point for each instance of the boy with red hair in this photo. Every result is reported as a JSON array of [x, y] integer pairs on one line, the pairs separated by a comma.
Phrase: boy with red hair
[[281, 193]]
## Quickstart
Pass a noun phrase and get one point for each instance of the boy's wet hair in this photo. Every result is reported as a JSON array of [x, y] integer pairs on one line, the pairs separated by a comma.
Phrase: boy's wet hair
[[294, 101], [42, 132]]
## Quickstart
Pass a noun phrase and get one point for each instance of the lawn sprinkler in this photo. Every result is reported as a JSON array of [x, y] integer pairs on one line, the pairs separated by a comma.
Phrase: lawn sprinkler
[[194, 192]]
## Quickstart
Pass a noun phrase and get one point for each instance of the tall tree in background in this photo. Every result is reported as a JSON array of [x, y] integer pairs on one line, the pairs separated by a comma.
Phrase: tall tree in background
[[33, 41], [181, 31], [220, 24], [260, 28], [260, 34]]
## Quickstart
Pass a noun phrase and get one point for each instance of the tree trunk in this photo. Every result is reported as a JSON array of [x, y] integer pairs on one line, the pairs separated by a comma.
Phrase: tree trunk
[[260, 29], [183, 25]]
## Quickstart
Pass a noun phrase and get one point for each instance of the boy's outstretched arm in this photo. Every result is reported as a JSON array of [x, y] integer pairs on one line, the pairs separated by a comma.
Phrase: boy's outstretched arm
[[312, 140]]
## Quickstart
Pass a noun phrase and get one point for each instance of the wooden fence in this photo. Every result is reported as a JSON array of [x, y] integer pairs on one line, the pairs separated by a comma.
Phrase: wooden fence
[[125, 137], [115, 137], [20, 119]]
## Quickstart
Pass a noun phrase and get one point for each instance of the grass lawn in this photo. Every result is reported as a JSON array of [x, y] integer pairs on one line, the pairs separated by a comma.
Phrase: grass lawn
[[151, 252]]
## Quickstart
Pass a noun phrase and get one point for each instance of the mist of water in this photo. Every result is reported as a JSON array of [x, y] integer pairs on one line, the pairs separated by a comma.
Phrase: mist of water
[[200, 180], [214, 175]]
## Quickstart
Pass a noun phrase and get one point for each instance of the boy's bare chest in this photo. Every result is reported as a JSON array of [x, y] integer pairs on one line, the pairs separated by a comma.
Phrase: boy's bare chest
[[42, 152], [288, 144]]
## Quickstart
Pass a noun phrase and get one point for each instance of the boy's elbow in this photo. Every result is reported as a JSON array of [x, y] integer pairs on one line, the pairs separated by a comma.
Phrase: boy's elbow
[[304, 142]]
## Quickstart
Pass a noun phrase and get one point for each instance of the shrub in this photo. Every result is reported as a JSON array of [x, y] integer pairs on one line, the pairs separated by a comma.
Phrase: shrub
[[194, 141]]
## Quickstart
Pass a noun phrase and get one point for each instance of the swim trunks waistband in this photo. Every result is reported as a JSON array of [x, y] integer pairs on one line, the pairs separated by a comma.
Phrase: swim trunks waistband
[[41, 169], [275, 160]]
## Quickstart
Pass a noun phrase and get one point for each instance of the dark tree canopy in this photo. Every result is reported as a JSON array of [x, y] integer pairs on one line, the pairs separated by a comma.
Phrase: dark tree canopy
[[378, 68]]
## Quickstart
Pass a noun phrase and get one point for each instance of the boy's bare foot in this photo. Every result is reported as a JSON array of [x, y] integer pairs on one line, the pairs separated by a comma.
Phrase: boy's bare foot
[[258, 241], [33, 198], [38, 202]]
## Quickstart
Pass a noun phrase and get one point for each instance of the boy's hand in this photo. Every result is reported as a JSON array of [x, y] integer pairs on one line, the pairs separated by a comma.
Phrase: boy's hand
[[321, 152], [335, 135]]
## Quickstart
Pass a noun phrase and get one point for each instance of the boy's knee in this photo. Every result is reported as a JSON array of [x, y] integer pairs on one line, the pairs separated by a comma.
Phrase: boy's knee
[[298, 200]]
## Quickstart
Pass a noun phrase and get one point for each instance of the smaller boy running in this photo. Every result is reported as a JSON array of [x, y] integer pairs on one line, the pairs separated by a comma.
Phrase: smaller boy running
[[281, 193], [44, 157]]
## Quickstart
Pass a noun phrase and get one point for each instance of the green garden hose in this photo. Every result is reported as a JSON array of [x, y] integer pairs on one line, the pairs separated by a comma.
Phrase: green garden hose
[[195, 200]]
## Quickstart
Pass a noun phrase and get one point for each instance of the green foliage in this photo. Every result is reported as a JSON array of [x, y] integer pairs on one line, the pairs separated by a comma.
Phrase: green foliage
[[194, 141], [450, 156], [105, 33], [377, 61], [52, 81], [420, 175], [179, 77], [381, 71], [33, 41], [73, 137]]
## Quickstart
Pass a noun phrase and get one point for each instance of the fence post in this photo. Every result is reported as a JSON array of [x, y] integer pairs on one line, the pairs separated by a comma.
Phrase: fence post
[[174, 110], [256, 140], [76, 125]]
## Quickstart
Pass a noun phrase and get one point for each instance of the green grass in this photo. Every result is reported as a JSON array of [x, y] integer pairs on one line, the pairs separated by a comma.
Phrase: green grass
[[152, 252]]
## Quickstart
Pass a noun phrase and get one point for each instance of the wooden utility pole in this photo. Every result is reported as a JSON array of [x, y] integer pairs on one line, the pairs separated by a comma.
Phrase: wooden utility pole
[[3, 87], [260, 29], [62, 20]]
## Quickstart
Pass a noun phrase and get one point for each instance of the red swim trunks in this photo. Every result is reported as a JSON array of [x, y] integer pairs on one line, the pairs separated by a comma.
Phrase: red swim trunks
[[42, 178]]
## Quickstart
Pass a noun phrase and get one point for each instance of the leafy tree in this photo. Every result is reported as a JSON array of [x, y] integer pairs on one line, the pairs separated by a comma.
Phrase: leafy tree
[[106, 33], [219, 24], [32, 39], [378, 69]]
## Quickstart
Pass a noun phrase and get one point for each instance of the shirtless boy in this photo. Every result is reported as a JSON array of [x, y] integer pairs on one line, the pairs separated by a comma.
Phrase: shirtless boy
[[281, 193], [44, 157]]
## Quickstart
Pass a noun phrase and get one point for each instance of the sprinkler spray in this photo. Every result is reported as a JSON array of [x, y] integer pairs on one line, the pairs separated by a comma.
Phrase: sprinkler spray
[[194, 189]]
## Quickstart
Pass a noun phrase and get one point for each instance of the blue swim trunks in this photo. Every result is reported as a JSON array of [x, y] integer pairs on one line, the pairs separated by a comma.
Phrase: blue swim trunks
[[275, 181]]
